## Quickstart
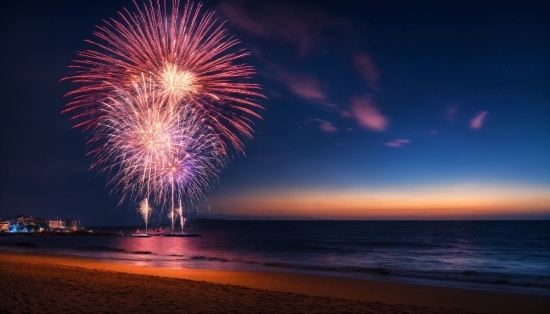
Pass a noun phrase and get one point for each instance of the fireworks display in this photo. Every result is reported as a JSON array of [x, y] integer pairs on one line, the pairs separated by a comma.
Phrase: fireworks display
[[162, 98], [187, 54]]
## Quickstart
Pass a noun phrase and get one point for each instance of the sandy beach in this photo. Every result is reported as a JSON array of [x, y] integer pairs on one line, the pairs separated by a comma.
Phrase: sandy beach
[[43, 283]]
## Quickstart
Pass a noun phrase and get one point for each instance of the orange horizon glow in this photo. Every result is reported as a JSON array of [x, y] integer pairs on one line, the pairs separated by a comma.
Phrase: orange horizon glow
[[449, 201]]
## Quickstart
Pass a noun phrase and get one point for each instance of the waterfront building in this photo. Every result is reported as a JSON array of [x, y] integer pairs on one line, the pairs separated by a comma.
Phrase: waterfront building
[[24, 223], [56, 223]]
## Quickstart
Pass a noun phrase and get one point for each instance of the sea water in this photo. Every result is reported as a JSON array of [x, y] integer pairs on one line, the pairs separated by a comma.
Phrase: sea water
[[491, 255]]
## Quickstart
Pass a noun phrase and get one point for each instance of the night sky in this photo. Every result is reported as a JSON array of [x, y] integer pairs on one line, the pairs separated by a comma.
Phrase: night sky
[[374, 110]]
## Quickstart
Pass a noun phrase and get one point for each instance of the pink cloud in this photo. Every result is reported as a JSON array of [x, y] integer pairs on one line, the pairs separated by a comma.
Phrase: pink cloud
[[398, 142], [433, 132], [326, 126], [304, 86], [477, 121], [366, 67], [302, 27], [367, 115]]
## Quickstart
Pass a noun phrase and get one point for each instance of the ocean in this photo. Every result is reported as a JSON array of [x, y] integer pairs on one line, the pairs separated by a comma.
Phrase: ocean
[[488, 255]]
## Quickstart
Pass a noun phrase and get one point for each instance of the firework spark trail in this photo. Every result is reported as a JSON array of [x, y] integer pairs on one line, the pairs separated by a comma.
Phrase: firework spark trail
[[145, 211], [153, 148], [188, 54], [182, 219]]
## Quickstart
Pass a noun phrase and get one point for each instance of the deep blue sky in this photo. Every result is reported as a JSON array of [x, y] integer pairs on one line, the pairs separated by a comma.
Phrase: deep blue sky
[[441, 108]]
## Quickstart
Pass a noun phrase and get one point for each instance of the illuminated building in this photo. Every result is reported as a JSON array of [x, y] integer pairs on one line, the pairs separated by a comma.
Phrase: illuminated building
[[23, 223], [4, 226], [56, 223]]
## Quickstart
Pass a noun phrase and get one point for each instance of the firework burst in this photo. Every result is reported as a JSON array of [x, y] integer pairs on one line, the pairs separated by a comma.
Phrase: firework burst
[[154, 149], [187, 54]]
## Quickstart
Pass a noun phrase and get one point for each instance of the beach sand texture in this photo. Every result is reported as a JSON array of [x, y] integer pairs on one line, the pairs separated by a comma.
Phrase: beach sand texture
[[34, 283]]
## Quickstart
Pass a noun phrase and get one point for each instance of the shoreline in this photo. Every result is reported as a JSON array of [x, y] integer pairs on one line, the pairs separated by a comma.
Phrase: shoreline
[[209, 263], [332, 288]]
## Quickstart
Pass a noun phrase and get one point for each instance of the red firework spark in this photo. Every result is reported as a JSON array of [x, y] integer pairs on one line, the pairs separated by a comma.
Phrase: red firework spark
[[187, 54]]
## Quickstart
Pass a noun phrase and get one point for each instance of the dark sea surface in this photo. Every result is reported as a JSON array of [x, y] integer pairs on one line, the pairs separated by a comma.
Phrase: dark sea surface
[[489, 255]]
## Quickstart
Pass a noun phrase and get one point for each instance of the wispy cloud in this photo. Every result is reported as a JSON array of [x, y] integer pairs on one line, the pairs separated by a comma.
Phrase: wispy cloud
[[367, 115], [477, 122], [366, 67], [326, 126], [302, 85], [302, 27], [305, 86], [305, 29], [398, 142]]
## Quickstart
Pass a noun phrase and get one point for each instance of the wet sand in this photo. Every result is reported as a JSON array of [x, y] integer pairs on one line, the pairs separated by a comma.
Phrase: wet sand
[[46, 284]]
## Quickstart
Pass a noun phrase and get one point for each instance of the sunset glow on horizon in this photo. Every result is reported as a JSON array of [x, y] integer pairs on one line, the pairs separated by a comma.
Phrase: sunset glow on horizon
[[447, 201]]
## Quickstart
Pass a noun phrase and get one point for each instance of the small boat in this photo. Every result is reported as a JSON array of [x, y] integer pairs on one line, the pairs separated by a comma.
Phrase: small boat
[[181, 234], [140, 234], [158, 232]]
